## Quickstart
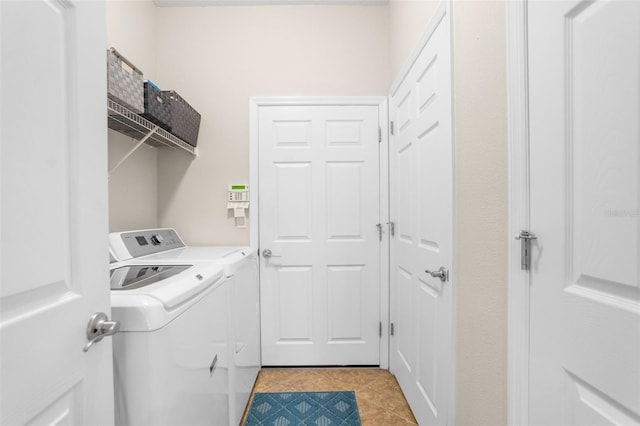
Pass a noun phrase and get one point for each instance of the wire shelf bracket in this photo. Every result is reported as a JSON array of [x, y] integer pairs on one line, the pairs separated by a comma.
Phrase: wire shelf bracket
[[127, 122]]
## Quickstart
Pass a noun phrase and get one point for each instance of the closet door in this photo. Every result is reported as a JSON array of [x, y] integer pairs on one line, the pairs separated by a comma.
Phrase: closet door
[[421, 208], [55, 273], [584, 89]]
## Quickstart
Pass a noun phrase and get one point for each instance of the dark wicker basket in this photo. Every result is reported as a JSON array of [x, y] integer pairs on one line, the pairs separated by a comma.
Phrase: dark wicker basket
[[185, 120], [157, 106]]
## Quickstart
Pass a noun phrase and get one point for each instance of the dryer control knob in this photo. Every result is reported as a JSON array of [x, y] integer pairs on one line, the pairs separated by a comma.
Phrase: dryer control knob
[[156, 239]]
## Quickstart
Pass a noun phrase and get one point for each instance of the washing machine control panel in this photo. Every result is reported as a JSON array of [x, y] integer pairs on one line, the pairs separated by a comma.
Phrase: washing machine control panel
[[157, 239], [132, 244]]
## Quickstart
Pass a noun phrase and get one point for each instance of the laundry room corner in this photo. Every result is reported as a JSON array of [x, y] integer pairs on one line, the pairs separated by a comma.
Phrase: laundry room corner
[[131, 30]]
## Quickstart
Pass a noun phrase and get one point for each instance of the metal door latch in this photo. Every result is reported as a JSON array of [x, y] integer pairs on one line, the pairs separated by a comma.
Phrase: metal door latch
[[525, 238], [379, 226], [441, 273]]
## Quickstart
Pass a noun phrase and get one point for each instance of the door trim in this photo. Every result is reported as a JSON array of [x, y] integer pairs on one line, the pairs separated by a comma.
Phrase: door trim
[[381, 102], [518, 298]]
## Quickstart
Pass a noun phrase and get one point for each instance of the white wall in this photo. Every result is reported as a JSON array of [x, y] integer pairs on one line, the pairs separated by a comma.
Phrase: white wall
[[407, 21], [217, 57], [481, 211], [133, 187]]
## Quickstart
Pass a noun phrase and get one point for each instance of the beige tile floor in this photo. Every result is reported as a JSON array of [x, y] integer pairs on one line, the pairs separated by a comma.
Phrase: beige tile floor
[[380, 400]]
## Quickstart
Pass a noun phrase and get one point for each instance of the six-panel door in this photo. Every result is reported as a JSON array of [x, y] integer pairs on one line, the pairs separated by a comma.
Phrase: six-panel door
[[421, 185], [319, 207]]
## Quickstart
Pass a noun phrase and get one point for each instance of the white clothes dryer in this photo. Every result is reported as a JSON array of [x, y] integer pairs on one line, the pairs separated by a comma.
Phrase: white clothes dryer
[[241, 270], [171, 352]]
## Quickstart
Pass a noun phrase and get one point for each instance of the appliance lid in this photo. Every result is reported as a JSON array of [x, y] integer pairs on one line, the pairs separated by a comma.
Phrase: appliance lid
[[232, 258], [150, 307], [130, 277]]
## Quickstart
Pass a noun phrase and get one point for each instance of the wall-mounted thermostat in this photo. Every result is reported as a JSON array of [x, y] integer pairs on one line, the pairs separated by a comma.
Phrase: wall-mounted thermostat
[[238, 193], [238, 201]]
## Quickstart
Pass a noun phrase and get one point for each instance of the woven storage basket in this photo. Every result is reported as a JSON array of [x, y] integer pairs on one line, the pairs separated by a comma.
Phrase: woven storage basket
[[185, 120], [157, 106], [124, 82]]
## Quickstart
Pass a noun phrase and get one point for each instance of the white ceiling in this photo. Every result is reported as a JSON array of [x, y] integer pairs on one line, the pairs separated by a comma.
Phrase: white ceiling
[[168, 3]]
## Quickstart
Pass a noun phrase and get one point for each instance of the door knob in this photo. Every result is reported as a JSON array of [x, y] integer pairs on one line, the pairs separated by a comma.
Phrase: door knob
[[441, 273], [98, 328], [266, 253]]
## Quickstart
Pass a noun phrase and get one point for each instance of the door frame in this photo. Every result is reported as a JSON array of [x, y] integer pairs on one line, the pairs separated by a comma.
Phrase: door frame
[[518, 283], [381, 102]]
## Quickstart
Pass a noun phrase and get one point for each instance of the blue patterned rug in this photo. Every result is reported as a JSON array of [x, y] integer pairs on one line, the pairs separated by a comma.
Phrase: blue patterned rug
[[303, 408]]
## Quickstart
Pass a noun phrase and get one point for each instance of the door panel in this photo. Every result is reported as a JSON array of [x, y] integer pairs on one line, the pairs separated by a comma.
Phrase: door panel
[[405, 332], [344, 186], [294, 194], [54, 220], [346, 290], [421, 207], [319, 206], [294, 286], [585, 289]]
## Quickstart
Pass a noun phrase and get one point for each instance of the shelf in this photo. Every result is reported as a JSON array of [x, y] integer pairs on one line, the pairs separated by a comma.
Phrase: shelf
[[131, 124]]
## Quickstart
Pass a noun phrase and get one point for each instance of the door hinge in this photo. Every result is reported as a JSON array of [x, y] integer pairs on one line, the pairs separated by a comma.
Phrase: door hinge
[[392, 228], [391, 127], [380, 329], [379, 135], [525, 238], [392, 329], [379, 226]]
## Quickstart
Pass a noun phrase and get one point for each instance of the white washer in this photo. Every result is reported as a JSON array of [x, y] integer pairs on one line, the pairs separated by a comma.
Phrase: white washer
[[241, 270], [171, 352]]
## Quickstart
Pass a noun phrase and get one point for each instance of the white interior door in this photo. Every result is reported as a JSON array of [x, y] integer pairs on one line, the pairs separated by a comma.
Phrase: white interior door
[[421, 174], [319, 206], [54, 213], [584, 69]]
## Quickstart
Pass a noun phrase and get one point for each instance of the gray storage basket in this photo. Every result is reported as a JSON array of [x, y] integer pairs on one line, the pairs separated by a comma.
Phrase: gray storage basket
[[157, 106], [184, 119], [125, 82]]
